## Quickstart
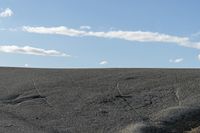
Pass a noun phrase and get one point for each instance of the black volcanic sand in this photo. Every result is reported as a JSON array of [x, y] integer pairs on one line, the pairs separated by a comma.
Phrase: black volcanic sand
[[99, 100]]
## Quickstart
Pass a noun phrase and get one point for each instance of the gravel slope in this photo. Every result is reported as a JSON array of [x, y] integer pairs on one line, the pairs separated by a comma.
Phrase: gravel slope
[[99, 100]]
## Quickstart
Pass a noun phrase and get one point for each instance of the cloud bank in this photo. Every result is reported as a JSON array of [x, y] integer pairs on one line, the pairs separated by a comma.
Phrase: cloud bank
[[30, 51], [136, 36], [6, 13]]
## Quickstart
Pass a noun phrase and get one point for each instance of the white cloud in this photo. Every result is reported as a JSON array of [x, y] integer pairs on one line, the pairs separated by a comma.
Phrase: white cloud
[[26, 65], [30, 51], [6, 13], [199, 57], [176, 60], [103, 62], [84, 27], [139, 36]]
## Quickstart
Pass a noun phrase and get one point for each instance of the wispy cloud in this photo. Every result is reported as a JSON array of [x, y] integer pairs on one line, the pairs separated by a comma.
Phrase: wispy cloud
[[139, 36], [104, 62], [9, 29], [6, 13], [30, 51], [197, 34], [54, 30], [85, 27], [176, 60]]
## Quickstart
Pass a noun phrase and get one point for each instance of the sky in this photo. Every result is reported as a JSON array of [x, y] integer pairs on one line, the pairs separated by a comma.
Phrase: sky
[[100, 33]]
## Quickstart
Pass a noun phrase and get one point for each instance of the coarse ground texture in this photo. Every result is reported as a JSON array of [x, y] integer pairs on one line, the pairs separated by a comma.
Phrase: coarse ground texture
[[99, 100], [195, 130]]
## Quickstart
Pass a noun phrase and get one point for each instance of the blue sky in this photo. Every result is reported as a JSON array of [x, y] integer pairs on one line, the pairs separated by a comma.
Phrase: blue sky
[[100, 34]]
